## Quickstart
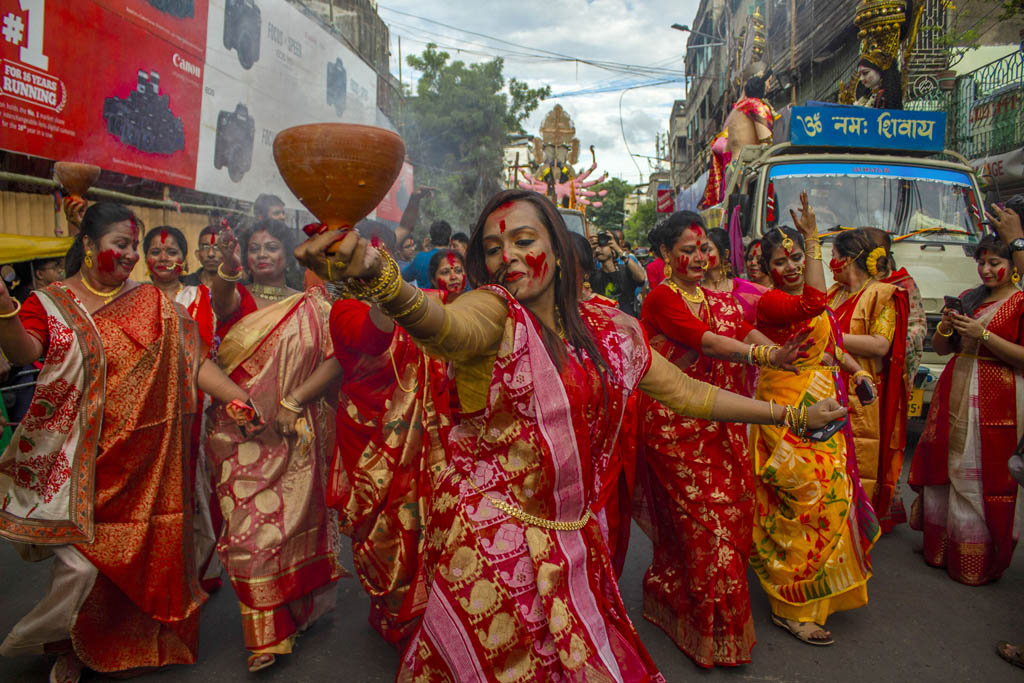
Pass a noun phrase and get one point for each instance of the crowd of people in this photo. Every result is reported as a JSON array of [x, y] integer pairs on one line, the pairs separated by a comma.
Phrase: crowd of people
[[484, 416]]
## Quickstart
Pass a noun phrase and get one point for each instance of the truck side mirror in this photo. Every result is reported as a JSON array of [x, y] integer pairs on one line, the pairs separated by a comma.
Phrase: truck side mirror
[[743, 202]]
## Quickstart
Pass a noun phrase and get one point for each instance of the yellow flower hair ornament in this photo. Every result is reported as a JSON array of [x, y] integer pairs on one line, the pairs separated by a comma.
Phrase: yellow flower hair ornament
[[872, 262]]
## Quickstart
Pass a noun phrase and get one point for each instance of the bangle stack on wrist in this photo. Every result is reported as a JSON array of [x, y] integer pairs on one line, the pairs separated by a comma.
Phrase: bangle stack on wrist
[[383, 287], [813, 248], [291, 405], [761, 354], [796, 420], [938, 328]]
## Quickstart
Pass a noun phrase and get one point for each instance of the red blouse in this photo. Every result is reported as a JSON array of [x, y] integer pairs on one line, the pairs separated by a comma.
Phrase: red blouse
[[664, 312], [354, 334], [33, 318], [781, 315]]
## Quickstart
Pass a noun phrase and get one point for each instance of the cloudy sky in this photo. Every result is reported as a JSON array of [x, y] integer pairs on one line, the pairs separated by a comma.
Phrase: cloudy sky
[[634, 32]]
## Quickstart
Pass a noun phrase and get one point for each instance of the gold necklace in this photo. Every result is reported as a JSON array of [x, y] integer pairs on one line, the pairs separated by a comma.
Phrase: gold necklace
[[697, 298], [106, 296], [269, 292], [835, 300]]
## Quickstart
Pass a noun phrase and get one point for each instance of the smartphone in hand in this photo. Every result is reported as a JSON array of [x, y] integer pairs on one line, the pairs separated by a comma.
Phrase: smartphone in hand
[[954, 304], [865, 392], [827, 432]]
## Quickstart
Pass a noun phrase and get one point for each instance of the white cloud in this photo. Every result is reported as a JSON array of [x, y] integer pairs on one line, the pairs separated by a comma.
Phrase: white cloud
[[631, 32]]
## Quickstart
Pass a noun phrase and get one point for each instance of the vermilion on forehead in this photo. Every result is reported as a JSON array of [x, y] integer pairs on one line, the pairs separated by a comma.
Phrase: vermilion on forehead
[[452, 259]]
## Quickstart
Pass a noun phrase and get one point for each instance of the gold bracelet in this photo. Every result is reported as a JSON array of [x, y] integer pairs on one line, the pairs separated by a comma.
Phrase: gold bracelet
[[384, 287], [863, 373], [290, 404], [17, 307], [938, 328], [813, 249], [418, 299], [229, 278], [771, 411]]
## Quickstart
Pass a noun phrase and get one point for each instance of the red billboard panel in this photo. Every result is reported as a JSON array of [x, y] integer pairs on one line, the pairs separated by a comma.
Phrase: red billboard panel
[[120, 95]]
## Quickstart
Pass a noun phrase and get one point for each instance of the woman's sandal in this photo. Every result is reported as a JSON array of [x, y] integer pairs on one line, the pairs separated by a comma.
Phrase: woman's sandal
[[67, 669], [803, 631], [1014, 654], [260, 660]]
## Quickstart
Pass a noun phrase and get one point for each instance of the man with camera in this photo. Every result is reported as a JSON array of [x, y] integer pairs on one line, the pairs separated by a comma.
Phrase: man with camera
[[618, 275]]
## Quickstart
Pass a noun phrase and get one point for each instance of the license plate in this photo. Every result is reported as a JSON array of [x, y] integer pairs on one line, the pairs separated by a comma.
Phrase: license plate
[[916, 403]]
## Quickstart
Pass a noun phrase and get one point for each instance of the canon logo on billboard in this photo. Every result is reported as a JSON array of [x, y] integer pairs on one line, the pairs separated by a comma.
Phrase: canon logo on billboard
[[187, 66]]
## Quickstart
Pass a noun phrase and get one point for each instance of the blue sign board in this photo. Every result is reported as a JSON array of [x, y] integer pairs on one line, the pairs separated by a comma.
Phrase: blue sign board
[[849, 126]]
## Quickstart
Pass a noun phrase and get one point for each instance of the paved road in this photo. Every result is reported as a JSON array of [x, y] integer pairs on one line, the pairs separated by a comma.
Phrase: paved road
[[919, 626]]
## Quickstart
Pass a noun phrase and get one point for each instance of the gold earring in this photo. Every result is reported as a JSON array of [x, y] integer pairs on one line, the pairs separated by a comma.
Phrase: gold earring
[[1015, 278], [87, 261], [668, 271]]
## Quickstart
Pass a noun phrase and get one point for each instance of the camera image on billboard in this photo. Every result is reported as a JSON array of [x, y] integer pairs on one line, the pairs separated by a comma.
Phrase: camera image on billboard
[[183, 9], [337, 86], [236, 133], [144, 119], [242, 27]]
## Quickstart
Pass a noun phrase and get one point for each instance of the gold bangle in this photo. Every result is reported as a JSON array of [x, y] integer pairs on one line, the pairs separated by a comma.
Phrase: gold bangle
[[17, 307], [229, 278], [418, 299], [771, 411], [813, 249], [863, 373], [384, 286], [938, 328], [290, 404]]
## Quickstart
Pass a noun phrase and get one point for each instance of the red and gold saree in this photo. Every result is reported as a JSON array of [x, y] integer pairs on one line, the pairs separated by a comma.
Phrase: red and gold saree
[[968, 505], [101, 461], [696, 493], [280, 540], [880, 429]]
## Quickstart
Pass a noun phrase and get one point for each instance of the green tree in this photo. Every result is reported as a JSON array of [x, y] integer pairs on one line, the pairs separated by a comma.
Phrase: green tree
[[640, 223], [455, 129], [610, 214]]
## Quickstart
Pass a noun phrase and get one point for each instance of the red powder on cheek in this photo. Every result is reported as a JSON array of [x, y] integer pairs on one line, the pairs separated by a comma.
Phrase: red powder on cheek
[[712, 260], [107, 260], [836, 265], [682, 263], [151, 262], [538, 264], [1000, 274], [179, 267], [777, 277]]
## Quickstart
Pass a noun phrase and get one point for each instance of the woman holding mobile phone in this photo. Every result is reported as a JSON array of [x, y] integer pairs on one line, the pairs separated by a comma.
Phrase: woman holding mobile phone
[[813, 524], [967, 498]]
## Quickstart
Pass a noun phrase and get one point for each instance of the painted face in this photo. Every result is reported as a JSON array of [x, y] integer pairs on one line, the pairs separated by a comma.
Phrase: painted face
[[993, 269], [518, 250], [164, 258], [754, 263], [450, 275], [869, 78], [689, 254], [208, 254], [117, 252], [787, 268], [714, 258], [839, 265], [266, 257]]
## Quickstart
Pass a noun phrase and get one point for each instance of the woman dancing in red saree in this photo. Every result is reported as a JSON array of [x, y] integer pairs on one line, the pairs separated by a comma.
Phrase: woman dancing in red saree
[[873, 317], [280, 540], [696, 500], [968, 504], [98, 472], [521, 586]]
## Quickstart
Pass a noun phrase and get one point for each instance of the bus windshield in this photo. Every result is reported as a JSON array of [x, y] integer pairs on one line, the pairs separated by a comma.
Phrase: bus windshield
[[923, 203], [574, 221]]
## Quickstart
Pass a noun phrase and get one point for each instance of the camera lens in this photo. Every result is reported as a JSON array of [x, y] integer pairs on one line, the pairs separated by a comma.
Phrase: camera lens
[[603, 239]]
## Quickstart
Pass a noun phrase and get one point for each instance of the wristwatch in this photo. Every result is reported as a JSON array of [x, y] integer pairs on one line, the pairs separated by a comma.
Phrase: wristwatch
[[1017, 244], [985, 335]]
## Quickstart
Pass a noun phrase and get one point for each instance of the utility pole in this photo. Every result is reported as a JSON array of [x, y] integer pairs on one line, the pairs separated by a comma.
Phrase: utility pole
[[792, 49]]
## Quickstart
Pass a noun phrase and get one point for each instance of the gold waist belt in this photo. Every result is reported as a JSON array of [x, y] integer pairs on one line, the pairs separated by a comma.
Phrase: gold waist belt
[[533, 520]]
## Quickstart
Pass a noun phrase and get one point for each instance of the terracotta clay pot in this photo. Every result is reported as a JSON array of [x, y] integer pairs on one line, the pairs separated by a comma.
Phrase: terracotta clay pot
[[339, 171], [75, 177]]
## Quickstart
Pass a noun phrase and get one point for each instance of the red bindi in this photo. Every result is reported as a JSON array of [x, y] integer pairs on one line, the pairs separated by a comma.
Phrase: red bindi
[[501, 226]]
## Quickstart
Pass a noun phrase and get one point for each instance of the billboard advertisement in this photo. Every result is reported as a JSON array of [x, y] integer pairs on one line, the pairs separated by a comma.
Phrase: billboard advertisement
[[269, 67], [184, 92], [135, 111]]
